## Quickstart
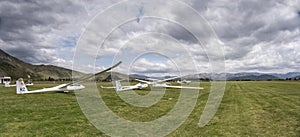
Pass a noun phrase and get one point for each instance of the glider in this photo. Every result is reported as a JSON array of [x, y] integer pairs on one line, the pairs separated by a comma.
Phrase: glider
[[21, 86], [163, 84], [119, 87]]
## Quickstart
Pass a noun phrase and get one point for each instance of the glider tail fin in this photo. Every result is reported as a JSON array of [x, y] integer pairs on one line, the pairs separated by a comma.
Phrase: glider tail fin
[[118, 85], [20, 86]]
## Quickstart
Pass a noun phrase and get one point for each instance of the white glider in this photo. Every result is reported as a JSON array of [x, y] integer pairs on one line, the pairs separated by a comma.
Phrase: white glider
[[163, 84], [119, 87], [21, 87]]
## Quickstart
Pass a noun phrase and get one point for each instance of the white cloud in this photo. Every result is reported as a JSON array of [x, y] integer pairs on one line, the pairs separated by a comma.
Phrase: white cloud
[[257, 35], [145, 66]]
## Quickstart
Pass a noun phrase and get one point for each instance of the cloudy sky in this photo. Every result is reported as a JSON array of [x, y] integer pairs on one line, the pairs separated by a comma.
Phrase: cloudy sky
[[154, 37]]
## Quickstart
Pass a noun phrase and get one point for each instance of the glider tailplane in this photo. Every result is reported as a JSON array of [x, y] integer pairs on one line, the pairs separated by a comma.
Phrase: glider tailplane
[[21, 86]]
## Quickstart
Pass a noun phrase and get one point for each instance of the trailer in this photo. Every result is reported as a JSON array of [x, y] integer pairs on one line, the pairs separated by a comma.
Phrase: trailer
[[5, 79]]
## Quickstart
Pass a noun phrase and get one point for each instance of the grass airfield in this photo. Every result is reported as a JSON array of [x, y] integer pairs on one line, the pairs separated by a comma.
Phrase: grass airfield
[[247, 109]]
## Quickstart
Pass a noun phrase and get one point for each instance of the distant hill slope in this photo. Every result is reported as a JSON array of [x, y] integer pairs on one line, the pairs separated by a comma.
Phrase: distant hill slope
[[297, 77], [287, 75], [15, 68], [255, 77]]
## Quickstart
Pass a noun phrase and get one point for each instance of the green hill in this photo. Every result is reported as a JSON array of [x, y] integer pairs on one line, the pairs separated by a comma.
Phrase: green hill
[[15, 68]]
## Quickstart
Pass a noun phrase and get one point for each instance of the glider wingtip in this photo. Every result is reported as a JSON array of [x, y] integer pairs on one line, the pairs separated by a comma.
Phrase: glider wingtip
[[117, 64]]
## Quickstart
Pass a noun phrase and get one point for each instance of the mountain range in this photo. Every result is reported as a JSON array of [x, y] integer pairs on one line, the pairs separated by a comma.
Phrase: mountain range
[[232, 76], [15, 68]]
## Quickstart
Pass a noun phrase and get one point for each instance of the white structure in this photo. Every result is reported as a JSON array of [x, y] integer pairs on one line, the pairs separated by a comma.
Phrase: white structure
[[4, 80]]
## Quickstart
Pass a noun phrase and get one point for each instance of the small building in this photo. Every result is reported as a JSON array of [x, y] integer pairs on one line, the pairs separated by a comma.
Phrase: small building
[[4, 79]]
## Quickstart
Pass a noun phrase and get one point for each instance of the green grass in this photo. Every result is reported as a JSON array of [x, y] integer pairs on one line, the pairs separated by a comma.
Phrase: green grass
[[247, 109]]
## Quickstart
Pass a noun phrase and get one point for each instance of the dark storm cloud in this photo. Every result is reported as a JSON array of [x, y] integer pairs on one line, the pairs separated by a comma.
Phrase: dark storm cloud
[[249, 29], [179, 32], [27, 27], [36, 30], [243, 24]]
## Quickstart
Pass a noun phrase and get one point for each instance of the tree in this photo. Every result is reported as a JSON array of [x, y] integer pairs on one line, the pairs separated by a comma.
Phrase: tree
[[50, 79]]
